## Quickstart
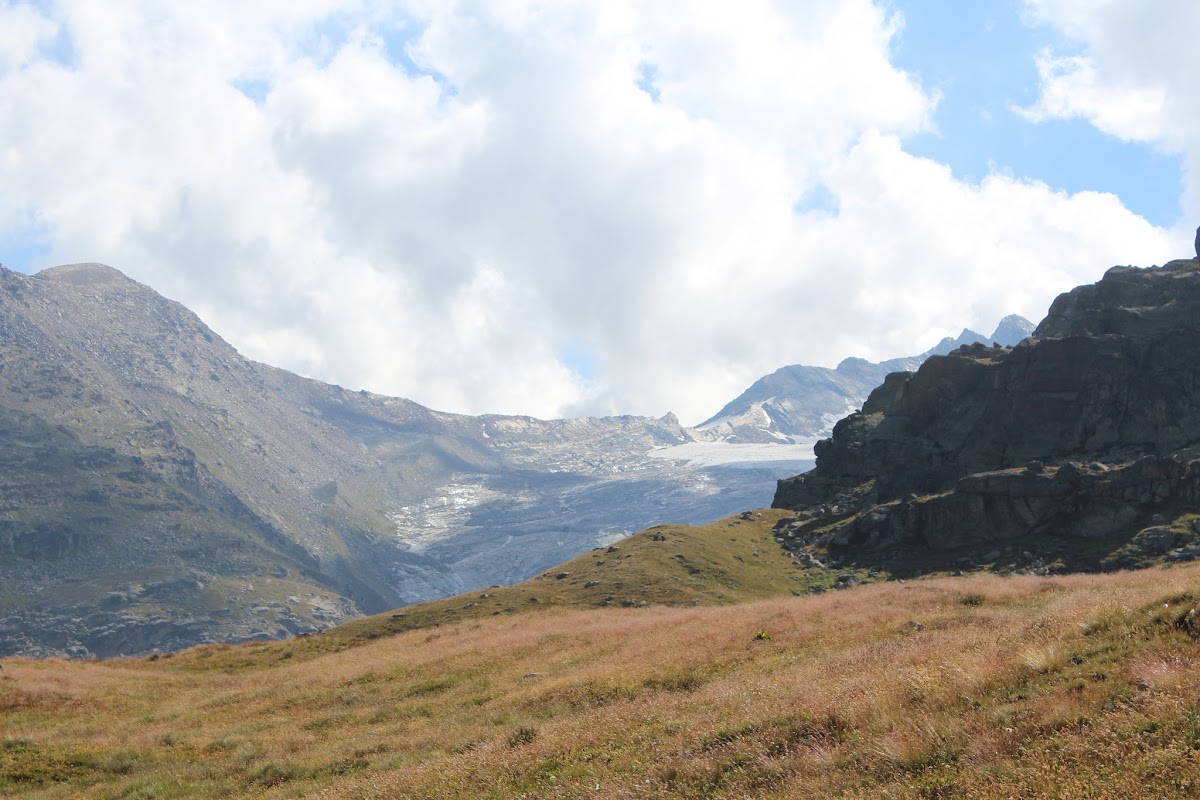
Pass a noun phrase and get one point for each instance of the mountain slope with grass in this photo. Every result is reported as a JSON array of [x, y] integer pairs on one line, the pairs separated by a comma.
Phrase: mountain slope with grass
[[983, 687], [732, 560]]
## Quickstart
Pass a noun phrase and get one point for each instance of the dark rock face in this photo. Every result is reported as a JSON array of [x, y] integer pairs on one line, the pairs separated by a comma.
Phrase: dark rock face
[[1087, 430]]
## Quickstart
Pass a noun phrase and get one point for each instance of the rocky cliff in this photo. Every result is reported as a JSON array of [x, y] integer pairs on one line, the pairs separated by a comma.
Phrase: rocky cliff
[[1077, 448]]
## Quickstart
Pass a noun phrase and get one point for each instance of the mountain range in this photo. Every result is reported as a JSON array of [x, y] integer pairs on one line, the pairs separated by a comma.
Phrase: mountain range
[[738, 658], [160, 490], [800, 403]]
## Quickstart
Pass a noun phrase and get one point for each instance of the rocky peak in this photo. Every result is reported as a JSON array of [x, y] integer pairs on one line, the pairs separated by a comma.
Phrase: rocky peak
[[89, 274], [1129, 302], [1089, 428], [1012, 330]]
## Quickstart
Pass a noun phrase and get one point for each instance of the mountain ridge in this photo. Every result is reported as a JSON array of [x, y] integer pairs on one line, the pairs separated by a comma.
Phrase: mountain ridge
[[145, 453], [802, 403], [162, 490]]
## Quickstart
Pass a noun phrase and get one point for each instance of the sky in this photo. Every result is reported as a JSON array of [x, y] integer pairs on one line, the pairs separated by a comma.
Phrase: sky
[[592, 208]]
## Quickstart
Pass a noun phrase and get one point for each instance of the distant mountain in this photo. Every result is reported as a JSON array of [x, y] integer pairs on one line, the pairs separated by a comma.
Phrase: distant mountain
[[801, 403], [157, 489]]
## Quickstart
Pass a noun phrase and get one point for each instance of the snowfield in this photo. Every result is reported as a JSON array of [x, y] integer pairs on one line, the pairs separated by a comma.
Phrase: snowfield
[[753, 455]]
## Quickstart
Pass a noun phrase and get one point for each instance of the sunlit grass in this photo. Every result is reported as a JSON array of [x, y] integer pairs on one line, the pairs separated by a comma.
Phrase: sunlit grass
[[1073, 686]]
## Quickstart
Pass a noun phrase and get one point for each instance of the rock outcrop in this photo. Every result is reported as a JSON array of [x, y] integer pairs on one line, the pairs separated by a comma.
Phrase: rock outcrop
[[1082, 441]]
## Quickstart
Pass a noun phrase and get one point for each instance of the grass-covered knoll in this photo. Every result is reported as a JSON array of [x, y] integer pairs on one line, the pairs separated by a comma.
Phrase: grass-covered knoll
[[729, 561], [1072, 686]]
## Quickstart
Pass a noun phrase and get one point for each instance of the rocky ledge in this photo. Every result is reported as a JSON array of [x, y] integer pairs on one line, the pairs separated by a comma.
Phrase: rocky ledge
[[1079, 444]]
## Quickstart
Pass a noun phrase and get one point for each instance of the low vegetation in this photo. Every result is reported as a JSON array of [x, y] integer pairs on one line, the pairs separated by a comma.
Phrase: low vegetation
[[730, 561], [978, 686]]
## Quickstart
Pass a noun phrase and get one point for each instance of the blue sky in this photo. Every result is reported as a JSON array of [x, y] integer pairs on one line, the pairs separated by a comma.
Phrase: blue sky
[[979, 57], [596, 208]]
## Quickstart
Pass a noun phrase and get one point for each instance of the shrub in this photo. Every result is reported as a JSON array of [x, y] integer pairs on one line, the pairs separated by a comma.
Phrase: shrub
[[522, 735]]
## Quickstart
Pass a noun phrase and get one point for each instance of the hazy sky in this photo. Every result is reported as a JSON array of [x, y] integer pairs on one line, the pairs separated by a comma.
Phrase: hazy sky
[[559, 208]]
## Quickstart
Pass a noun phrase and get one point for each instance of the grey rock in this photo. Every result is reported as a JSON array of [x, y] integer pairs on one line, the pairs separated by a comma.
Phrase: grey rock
[[1087, 429]]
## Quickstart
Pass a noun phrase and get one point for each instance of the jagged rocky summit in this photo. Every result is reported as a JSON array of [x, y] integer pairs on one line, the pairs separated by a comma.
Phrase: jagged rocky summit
[[1077, 448], [800, 403]]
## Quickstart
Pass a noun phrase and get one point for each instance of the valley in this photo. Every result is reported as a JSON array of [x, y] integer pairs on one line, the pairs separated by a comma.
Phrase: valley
[[143, 452], [940, 608]]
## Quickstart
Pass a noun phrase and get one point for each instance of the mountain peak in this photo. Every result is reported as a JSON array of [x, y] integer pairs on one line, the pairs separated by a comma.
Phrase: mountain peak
[[87, 274], [1012, 330], [801, 403]]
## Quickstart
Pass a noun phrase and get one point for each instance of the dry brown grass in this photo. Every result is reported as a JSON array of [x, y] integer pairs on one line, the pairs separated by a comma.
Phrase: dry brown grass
[[731, 560], [1073, 686]]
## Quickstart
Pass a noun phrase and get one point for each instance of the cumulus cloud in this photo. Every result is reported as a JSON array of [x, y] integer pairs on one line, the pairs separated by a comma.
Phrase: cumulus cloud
[[1133, 72], [1071, 86], [451, 202]]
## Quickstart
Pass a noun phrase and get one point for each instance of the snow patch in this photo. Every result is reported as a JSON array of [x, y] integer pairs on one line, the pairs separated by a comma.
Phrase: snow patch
[[419, 526], [750, 455]]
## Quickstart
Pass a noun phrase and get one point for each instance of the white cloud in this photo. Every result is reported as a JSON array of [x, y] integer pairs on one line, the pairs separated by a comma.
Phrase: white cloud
[[1072, 87], [438, 201], [1135, 75], [23, 33]]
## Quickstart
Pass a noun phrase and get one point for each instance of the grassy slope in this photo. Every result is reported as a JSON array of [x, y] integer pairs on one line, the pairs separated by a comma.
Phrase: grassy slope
[[1074, 686], [731, 560]]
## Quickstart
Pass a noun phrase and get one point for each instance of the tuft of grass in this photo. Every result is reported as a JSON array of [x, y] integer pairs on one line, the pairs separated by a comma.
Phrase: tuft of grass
[[522, 736]]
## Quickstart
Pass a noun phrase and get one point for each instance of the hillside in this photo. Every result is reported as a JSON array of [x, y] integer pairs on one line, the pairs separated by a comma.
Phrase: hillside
[[732, 560], [982, 687], [160, 490]]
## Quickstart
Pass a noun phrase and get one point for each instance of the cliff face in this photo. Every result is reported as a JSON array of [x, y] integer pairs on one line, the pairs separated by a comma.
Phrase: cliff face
[[1088, 429]]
